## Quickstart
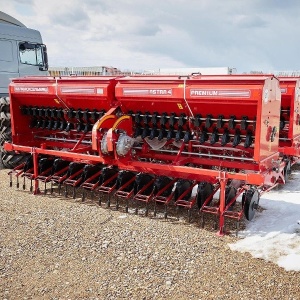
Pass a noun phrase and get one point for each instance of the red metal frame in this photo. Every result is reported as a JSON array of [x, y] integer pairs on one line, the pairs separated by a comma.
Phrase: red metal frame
[[204, 116]]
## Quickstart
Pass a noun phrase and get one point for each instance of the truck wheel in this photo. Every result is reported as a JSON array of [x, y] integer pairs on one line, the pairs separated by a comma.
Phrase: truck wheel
[[8, 159]]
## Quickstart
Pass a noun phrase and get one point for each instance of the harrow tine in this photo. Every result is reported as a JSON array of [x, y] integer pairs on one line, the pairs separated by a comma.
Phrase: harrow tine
[[117, 203], [108, 201], [74, 192], [177, 212], [202, 220], [216, 222], [17, 171], [189, 213], [166, 212], [45, 188], [83, 195], [237, 228], [147, 209], [10, 180], [59, 188]]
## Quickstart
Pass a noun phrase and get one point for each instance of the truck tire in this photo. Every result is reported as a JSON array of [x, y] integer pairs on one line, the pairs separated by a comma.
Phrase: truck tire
[[8, 159]]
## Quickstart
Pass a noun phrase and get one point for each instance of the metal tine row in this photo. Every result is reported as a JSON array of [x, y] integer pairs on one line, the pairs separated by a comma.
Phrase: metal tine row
[[127, 185]]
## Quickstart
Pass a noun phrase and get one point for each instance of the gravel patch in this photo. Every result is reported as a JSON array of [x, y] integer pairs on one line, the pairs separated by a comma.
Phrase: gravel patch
[[57, 248]]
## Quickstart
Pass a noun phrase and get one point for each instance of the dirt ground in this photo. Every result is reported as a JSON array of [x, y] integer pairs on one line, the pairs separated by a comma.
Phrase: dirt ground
[[52, 247]]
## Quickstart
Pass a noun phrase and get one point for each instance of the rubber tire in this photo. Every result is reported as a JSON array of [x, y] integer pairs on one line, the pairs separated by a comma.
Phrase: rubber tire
[[250, 203], [8, 159]]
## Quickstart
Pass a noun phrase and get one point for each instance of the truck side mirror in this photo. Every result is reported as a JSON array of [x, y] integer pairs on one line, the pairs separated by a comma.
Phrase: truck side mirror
[[45, 56], [24, 46]]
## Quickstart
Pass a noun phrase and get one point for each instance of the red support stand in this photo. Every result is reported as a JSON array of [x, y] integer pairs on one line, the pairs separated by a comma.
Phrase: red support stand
[[35, 171], [223, 182]]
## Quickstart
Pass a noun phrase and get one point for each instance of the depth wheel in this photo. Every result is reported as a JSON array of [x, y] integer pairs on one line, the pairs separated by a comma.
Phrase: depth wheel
[[250, 203]]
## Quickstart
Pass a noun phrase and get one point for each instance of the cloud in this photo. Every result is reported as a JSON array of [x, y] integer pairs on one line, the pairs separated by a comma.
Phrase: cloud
[[132, 34], [73, 18], [250, 21]]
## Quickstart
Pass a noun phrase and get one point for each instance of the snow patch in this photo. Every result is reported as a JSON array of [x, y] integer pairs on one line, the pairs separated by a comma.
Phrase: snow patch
[[274, 233]]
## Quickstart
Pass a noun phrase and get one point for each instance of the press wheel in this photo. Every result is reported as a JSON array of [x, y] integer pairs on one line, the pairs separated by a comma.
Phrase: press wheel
[[250, 203]]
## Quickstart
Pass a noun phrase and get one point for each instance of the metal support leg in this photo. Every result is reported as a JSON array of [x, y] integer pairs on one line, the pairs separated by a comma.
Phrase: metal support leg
[[36, 172], [223, 181]]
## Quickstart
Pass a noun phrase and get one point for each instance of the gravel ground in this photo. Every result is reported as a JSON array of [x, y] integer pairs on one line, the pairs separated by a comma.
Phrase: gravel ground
[[57, 248]]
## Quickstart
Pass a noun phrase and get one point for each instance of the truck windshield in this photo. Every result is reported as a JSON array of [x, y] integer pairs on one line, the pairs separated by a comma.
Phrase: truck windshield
[[32, 54]]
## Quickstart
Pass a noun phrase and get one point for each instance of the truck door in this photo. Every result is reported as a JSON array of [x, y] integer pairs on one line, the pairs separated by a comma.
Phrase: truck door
[[8, 64]]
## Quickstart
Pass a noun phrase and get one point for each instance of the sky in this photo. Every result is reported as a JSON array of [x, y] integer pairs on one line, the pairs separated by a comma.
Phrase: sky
[[249, 35], [274, 233]]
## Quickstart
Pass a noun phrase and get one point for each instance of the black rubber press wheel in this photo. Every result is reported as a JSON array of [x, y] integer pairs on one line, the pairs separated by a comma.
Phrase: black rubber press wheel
[[250, 203]]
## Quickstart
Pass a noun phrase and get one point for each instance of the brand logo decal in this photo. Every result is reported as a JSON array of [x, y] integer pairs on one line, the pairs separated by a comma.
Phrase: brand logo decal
[[23, 89], [220, 93], [145, 92]]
